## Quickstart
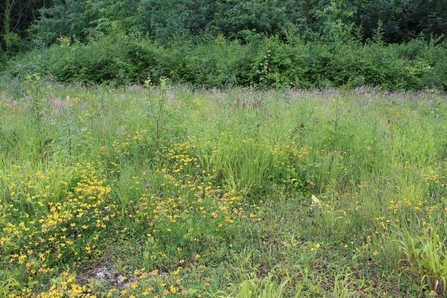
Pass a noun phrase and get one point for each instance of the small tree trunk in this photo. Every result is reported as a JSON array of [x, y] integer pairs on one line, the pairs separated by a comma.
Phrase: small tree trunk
[[7, 16]]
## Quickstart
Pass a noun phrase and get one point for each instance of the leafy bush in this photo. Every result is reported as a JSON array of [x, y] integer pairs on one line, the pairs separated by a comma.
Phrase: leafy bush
[[209, 61]]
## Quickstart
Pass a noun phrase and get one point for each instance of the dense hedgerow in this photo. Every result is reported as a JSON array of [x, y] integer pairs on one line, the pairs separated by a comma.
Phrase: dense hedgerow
[[215, 62]]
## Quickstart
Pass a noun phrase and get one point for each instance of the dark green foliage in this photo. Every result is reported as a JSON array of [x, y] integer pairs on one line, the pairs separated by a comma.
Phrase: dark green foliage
[[216, 62], [165, 19], [250, 19], [162, 20], [15, 18], [401, 20], [2, 59], [262, 43], [118, 58], [64, 18]]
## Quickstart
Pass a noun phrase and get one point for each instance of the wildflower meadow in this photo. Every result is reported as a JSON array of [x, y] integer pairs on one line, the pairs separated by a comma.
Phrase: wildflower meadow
[[164, 191]]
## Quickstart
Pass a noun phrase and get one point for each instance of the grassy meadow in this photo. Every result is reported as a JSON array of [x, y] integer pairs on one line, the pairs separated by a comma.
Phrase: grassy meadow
[[170, 192]]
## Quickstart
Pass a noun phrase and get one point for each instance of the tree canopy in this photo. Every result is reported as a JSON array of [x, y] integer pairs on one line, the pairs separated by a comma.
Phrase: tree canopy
[[395, 21]]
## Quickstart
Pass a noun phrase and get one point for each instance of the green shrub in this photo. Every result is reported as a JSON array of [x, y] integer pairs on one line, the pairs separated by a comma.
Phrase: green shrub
[[216, 62]]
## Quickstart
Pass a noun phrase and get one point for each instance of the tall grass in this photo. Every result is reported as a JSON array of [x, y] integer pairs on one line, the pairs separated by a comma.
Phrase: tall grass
[[266, 192]]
